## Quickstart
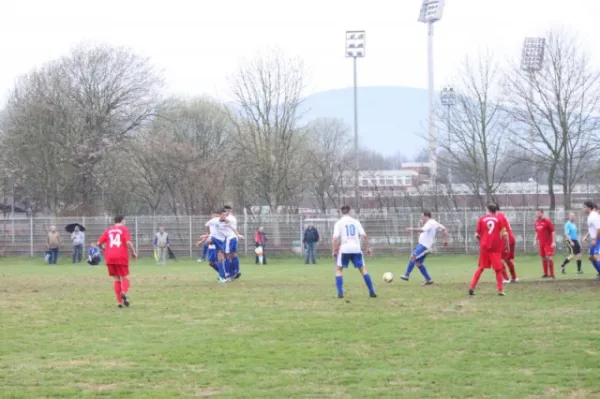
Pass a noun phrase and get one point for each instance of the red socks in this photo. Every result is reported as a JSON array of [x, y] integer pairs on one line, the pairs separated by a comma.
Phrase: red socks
[[551, 267], [504, 273], [476, 278], [125, 285], [117, 287], [511, 269], [499, 279], [545, 266]]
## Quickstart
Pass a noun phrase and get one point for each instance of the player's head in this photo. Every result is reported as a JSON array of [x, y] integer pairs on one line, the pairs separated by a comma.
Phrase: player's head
[[426, 216], [261, 229], [161, 228], [119, 219], [223, 214], [571, 216], [345, 209], [492, 208], [539, 213], [497, 207], [228, 209], [589, 206], [53, 229]]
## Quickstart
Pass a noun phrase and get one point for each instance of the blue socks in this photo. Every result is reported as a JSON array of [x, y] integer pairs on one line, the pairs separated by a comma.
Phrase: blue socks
[[424, 272], [596, 264], [236, 265], [221, 269], [215, 268], [204, 250], [369, 283], [409, 268], [339, 283], [227, 267]]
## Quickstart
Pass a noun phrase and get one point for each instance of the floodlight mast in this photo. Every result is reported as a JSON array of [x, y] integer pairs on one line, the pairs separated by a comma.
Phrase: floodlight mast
[[431, 12], [448, 99], [355, 48], [532, 61]]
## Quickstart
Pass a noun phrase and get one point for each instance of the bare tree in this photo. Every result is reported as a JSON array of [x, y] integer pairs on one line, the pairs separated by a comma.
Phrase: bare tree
[[62, 120], [561, 104], [476, 128], [268, 91], [329, 146]]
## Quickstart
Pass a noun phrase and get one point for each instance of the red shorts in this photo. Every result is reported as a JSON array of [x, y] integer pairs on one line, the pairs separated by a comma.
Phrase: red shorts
[[510, 254], [546, 250], [490, 260], [118, 270]]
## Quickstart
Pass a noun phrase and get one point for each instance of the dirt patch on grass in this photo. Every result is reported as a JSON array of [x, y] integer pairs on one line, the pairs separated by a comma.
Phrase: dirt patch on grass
[[208, 392], [96, 387]]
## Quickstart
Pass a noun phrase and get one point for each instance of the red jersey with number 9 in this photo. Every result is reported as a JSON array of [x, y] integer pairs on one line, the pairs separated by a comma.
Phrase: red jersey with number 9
[[115, 239], [489, 229], [511, 236]]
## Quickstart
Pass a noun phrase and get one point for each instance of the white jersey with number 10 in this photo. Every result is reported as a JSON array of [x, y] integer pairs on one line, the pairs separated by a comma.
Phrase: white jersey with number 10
[[350, 232]]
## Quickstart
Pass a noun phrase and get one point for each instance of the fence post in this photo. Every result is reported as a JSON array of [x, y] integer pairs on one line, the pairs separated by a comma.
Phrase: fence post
[[191, 238], [412, 243], [136, 234], [466, 233], [524, 231], [245, 231], [12, 221], [301, 236], [31, 236]]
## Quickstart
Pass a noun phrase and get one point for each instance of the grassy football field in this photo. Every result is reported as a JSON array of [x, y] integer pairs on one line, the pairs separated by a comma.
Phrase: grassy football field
[[280, 332]]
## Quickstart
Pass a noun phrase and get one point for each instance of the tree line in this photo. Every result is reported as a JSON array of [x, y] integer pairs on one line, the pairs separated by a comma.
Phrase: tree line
[[93, 132]]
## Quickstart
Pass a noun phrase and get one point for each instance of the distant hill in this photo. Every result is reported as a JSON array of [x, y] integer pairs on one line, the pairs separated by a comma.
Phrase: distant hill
[[390, 119]]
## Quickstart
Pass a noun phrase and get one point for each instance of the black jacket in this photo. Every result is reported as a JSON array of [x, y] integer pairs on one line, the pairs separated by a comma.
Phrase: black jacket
[[311, 235]]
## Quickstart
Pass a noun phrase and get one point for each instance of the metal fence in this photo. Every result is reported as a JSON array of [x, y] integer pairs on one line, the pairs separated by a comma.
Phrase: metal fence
[[26, 236]]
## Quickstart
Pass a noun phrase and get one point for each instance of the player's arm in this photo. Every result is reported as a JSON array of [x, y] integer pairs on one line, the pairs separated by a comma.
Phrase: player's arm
[[553, 230], [567, 237], [478, 230], [130, 244], [444, 231], [417, 229], [504, 235], [336, 240], [365, 238]]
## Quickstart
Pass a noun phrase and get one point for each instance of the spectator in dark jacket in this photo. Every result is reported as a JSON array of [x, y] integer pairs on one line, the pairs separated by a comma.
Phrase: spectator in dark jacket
[[260, 240], [310, 241]]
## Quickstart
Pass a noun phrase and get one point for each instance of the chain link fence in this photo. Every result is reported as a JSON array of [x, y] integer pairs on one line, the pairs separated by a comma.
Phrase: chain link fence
[[27, 236]]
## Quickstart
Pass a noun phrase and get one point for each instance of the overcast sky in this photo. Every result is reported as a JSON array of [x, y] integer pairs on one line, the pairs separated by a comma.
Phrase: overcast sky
[[198, 44]]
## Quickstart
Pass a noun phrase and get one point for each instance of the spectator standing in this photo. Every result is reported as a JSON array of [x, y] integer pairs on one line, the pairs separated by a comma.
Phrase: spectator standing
[[310, 241], [161, 245], [260, 240], [53, 243], [78, 238]]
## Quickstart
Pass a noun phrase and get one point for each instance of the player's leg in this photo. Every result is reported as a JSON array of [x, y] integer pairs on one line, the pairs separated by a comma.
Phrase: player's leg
[[422, 268], [569, 258], [544, 260], [359, 263], [482, 264], [235, 259], [510, 262], [577, 253], [417, 253], [550, 260], [125, 283], [496, 260], [307, 247], [339, 273], [204, 251]]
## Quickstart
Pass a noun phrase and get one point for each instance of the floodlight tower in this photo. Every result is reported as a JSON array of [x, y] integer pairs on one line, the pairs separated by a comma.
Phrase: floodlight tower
[[448, 100], [532, 61], [355, 49], [431, 12]]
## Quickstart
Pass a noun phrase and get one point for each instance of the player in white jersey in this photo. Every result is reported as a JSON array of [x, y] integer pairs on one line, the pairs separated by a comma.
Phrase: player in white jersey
[[593, 220], [232, 262], [347, 236], [219, 229], [426, 240]]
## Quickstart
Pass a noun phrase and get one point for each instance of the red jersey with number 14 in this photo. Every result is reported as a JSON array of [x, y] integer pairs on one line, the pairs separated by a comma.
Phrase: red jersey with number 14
[[115, 239], [489, 229]]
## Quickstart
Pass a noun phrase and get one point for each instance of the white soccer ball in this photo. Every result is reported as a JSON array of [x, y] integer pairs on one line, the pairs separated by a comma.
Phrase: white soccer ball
[[388, 277]]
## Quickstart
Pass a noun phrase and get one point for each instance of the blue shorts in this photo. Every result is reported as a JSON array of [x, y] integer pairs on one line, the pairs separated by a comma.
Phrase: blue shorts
[[420, 253], [595, 250], [345, 259], [231, 245], [219, 244], [212, 254]]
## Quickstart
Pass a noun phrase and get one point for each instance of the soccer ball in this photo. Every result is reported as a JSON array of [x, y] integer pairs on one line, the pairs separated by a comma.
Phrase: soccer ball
[[258, 251], [388, 277]]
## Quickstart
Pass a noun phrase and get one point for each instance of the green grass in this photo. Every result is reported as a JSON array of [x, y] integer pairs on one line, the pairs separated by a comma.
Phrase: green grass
[[279, 332]]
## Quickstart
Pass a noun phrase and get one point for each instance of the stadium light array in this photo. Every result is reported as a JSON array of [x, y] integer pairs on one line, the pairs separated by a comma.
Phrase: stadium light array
[[355, 48], [532, 54]]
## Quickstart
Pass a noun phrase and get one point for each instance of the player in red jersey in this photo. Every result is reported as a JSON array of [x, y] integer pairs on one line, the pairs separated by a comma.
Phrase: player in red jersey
[[508, 255], [545, 235], [492, 235], [116, 242]]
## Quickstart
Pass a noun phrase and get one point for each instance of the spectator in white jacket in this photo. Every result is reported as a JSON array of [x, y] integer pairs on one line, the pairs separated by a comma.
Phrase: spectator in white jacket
[[78, 239]]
